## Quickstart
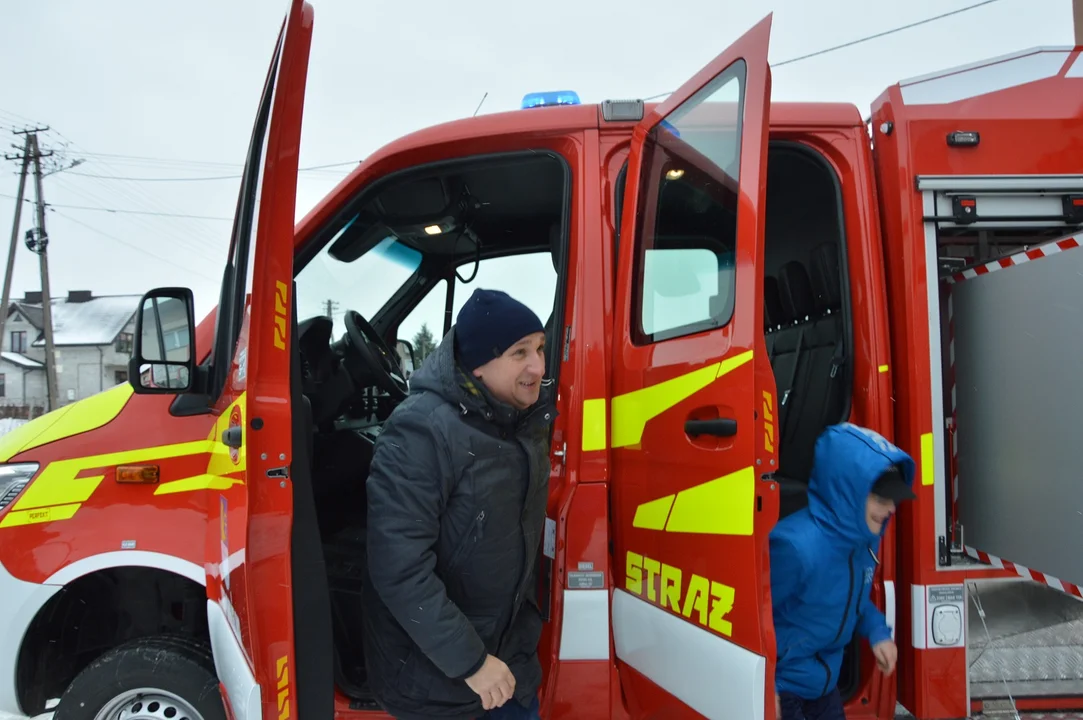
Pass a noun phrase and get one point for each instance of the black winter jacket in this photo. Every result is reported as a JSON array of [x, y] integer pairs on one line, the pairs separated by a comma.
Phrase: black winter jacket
[[456, 510]]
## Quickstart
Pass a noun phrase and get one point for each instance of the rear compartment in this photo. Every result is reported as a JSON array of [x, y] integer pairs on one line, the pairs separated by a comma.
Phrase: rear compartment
[[1005, 268]]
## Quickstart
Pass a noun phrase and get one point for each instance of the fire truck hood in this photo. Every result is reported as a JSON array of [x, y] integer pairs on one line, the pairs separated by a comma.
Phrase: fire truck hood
[[79, 417], [848, 461]]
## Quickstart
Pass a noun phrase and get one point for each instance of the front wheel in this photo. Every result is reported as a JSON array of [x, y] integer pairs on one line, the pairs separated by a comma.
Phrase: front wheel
[[158, 678]]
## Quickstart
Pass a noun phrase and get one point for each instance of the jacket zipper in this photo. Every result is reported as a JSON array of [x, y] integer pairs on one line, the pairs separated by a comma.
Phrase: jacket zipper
[[842, 621], [468, 541]]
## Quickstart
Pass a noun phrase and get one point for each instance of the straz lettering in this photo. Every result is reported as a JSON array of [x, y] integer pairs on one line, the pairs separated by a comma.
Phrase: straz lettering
[[283, 672], [768, 422], [661, 584], [281, 295]]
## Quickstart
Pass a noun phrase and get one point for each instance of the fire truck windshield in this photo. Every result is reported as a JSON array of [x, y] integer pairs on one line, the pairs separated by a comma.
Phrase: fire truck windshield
[[330, 287]]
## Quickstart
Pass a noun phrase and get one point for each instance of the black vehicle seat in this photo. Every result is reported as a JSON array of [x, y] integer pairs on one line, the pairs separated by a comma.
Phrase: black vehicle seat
[[799, 350], [816, 392], [555, 250], [773, 314]]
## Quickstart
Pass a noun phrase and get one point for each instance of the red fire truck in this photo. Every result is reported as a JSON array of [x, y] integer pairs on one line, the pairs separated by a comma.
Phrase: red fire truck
[[722, 276]]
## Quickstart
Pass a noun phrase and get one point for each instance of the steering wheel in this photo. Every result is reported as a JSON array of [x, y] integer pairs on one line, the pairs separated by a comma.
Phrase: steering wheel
[[373, 354]]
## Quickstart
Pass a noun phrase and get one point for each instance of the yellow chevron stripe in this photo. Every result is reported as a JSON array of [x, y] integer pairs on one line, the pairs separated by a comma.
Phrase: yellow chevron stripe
[[723, 506], [632, 411], [80, 417], [197, 482], [57, 493], [57, 484], [39, 515]]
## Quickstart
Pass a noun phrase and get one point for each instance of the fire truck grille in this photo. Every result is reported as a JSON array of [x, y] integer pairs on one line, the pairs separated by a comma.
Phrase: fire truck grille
[[11, 494]]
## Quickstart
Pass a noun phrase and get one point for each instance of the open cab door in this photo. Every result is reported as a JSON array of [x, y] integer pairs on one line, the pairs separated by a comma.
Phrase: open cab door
[[692, 407], [244, 388]]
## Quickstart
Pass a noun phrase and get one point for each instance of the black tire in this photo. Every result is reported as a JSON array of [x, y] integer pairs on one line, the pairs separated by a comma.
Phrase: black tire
[[172, 665]]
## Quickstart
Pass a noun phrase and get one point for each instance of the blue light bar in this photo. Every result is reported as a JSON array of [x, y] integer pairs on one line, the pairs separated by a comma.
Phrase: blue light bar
[[547, 99]]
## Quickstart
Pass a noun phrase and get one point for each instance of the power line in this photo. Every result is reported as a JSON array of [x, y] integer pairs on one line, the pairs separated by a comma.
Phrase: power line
[[135, 247], [887, 32], [201, 179], [867, 38], [49, 206]]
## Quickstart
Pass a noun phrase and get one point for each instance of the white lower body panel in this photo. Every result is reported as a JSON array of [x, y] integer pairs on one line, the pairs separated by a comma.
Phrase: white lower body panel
[[712, 676], [20, 602]]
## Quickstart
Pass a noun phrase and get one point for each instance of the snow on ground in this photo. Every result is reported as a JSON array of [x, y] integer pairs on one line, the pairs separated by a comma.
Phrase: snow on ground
[[6, 426]]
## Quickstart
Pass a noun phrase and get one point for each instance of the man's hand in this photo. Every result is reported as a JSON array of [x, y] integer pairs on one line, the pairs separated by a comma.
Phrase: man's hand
[[778, 707], [494, 683], [886, 654]]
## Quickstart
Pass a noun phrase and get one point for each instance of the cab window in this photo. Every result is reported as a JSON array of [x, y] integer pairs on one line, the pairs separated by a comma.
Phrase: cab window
[[529, 278], [493, 222], [687, 235]]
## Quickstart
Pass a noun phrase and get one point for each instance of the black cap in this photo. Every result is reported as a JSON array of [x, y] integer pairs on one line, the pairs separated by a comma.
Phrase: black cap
[[892, 486]]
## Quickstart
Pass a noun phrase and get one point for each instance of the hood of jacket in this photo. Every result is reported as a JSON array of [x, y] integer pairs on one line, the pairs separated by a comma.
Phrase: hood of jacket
[[848, 461], [441, 374]]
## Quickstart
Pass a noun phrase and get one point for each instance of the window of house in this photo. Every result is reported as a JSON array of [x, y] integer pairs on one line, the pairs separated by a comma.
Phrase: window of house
[[124, 343], [120, 376], [18, 341], [3, 386]]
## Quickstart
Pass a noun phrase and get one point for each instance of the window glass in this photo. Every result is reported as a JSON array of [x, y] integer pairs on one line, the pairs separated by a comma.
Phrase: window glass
[[330, 287], [687, 222]]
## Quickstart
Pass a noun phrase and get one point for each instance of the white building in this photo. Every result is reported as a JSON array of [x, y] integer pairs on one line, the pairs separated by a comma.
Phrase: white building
[[92, 339]]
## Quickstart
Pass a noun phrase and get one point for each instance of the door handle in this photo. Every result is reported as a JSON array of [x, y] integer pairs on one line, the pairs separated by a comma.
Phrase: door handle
[[720, 427], [231, 437]]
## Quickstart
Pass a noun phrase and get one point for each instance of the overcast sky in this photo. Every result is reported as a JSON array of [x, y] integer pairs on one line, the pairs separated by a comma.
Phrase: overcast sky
[[169, 90]]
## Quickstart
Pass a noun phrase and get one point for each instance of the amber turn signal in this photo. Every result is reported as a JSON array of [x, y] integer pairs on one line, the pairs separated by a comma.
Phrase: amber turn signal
[[137, 474]]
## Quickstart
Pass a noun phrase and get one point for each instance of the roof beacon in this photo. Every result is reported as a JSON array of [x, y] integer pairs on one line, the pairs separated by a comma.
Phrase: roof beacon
[[546, 99]]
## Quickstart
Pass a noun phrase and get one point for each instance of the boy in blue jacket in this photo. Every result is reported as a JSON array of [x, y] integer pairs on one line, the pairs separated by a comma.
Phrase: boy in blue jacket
[[822, 563]]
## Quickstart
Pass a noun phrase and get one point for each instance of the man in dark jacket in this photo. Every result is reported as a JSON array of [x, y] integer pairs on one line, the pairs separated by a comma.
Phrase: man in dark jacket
[[823, 559], [456, 509]]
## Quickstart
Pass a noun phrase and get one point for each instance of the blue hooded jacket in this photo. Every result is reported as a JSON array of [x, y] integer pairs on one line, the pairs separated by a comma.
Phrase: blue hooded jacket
[[823, 559]]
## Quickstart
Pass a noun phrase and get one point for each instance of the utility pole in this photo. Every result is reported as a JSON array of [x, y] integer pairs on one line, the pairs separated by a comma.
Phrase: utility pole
[[14, 230], [1077, 17], [39, 244], [332, 305]]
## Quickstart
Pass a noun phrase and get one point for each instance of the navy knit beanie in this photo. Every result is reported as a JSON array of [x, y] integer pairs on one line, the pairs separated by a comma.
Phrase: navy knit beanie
[[488, 324]]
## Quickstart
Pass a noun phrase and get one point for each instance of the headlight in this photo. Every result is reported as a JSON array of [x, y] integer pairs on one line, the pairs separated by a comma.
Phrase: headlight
[[13, 478]]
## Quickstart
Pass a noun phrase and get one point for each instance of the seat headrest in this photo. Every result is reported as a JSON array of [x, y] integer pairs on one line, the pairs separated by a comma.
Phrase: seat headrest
[[554, 245], [827, 277], [773, 313], [796, 291]]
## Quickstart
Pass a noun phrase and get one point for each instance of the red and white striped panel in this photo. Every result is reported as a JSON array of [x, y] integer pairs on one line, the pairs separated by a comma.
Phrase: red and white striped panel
[[1024, 572], [953, 434], [1024, 256], [1019, 258]]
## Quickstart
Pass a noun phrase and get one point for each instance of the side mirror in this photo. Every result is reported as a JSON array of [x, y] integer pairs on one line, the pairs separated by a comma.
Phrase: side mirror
[[407, 359], [163, 359]]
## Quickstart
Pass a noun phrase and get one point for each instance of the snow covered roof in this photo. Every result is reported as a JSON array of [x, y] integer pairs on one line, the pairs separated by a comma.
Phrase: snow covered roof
[[22, 360], [96, 321], [33, 313]]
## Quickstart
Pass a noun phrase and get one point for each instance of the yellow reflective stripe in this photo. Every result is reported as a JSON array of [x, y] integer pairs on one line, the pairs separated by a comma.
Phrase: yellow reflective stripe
[[39, 515], [723, 506], [594, 430], [927, 474], [197, 482], [652, 515], [87, 414], [883, 368], [57, 493], [57, 484], [633, 410]]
